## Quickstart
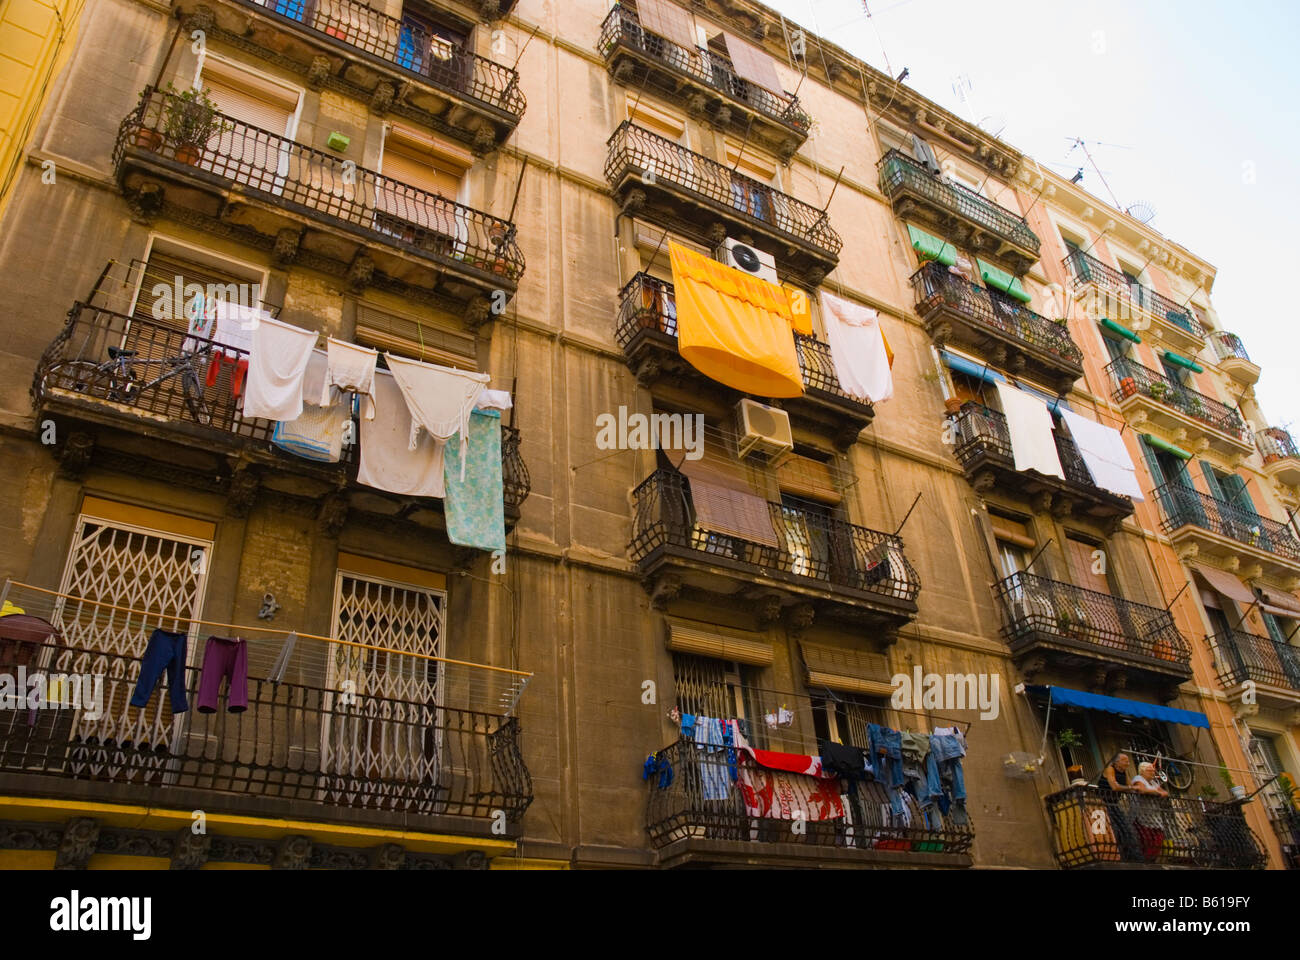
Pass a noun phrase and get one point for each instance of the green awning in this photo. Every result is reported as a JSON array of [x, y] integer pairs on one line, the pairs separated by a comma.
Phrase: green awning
[[1180, 361], [1121, 331], [1167, 447], [932, 248], [1003, 281]]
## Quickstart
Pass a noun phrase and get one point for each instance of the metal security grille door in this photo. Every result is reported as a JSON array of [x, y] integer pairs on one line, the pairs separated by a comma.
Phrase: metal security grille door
[[382, 735], [112, 564]]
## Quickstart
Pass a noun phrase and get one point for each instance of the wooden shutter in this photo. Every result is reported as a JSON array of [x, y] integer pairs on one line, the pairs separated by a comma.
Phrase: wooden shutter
[[407, 164], [411, 337], [1079, 555]]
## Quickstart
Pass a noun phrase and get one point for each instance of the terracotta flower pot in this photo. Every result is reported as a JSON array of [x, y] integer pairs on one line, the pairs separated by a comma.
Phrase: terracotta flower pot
[[147, 139], [189, 153], [953, 405], [1128, 386]]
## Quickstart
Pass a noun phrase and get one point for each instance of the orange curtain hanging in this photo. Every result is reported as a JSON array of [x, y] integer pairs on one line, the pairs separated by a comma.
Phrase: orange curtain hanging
[[733, 328]]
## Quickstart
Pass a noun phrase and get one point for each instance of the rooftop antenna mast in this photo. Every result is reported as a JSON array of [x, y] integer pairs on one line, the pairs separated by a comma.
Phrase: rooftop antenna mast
[[1080, 142]]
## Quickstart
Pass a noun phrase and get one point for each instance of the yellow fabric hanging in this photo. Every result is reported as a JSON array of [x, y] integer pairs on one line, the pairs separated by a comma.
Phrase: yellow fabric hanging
[[734, 328], [889, 351], [800, 311]]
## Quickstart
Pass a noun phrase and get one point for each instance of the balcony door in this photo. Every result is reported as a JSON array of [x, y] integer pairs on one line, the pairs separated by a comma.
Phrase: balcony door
[[419, 185], [255, 146], [1237, 514], [432, 50], [383, 727], [1266, 763], [1178, 496]]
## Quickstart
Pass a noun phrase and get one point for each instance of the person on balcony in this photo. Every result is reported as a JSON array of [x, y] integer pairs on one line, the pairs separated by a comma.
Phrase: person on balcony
[[1148, 820], [1145, 781], [1114, 784]]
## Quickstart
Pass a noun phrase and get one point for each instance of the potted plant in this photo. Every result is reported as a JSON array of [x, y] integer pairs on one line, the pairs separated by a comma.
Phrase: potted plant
[[1288, 788], [1236, 792], [146, 136], [190, 120], [1128, 387], [1068, 738], [1209, 791], [1157, 390]]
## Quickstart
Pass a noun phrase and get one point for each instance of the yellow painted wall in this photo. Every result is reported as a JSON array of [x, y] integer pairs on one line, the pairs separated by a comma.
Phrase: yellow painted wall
[[35, 40]]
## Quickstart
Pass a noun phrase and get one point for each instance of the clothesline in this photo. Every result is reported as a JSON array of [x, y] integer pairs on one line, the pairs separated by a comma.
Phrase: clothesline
[[278, 633], [831, 695]]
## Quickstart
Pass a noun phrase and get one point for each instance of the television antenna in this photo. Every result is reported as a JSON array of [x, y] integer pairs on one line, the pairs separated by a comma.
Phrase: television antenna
[[1141, 211], [1078, 143]]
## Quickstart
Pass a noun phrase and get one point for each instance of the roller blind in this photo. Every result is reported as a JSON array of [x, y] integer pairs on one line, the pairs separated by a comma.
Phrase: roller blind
[[237, 97], [409, 337], [719, 643], [847, 671], [1001, 280], [404, 163], [929, 247]]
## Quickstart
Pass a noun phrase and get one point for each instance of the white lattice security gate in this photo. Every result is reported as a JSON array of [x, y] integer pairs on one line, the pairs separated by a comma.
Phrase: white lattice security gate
[[112, 564], [382, 736]]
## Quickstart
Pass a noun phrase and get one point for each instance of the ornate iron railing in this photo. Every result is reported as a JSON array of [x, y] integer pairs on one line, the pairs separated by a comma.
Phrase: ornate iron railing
[[1277, 444], [1033, 604], [981, 430], [813, 548], [635, 151], [1228, 346], [1244, 656], [647, 303], [1091, 828], [295, 741], [935, 287], [623, 28], [900, 173], [692, 796], [1184, 506], [76, 364], [1286, 824], [406, 45], [1132, 378], [297, 176], [1085, 269]]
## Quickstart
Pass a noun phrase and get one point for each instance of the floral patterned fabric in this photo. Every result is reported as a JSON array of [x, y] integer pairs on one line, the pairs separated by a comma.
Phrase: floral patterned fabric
[[475, 505]]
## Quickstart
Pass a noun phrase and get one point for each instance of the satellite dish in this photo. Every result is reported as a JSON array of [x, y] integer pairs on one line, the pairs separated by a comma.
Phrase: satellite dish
[[1142, 212]]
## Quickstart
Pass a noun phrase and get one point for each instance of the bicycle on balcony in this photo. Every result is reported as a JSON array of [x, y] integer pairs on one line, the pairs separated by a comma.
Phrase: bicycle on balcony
[[1174, 771], [125, 377]]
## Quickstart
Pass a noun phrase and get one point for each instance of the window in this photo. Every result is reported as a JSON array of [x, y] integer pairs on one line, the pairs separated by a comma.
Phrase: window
[[718, 688], [1079, 554], [421, 181], [844, 718], [410, 336], [428, 47], [255, 148], [1119, 350]]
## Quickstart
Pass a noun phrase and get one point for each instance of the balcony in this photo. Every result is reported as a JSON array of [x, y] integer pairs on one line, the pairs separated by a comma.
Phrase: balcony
[[1273, 667], [1011, 335], [396, 66], [1110, 295], [689, 825], [1191, 418], [647, 332], [1233, 358], [822, 566], [663, 182], [190, 433], [1071, 627], [403, 757], [957, 212], [311, 208], [1156, 832], [1201, 526], [704, 84], [1281, 456], [982, 443]]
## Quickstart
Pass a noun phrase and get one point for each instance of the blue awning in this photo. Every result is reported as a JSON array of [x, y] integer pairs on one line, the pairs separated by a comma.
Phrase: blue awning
[[1125, 708], [977, 370]]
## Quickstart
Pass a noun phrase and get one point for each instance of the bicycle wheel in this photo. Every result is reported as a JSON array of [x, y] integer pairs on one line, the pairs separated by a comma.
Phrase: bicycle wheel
[[79, 376], [1180, 773], [194, 398]]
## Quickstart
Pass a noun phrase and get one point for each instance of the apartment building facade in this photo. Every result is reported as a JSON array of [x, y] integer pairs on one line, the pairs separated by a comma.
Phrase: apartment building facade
[[516, 189]]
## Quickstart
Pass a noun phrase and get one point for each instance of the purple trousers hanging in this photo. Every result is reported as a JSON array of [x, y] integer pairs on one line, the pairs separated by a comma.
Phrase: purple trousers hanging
[[224, 659]]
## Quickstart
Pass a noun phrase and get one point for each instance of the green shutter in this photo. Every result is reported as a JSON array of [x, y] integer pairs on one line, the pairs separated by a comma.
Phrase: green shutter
[[1153, 464], [1236, 493], [1121, 330], [1179, 360], [1212, 481], [932, 248], [1003, 281]]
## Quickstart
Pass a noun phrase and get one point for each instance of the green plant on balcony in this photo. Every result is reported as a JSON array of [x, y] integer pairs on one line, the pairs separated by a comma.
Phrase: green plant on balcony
[[1209, 791], [1157, 390], [1195, 407], [1289, 791], [1068, 738], [190, 120]]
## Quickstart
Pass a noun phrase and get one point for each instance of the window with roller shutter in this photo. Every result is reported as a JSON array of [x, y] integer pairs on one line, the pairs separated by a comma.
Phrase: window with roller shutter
[[411, 337], [254, 148], [418, 188]]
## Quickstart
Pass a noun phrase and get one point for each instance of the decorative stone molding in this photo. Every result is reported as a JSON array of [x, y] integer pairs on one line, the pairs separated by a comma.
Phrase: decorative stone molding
[[332, 516], [478, 312], [360, 272], [769, 609], [800, 617], [190, 851], [381, 101], [663, 590], [78, 843], [318, 72], [292, 853], [74, 454], [241, 494], [387, 856], [285, 251]]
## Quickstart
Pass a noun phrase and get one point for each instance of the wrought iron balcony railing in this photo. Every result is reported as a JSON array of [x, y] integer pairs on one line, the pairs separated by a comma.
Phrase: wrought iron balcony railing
[[623, 27], [1277, 444], [1085, 269], [812, 548], [900, 173], [693, 797], [374, 751], [981, 430], [1184, 506], [648, 303], [1228, 346], [1032, 604], [636, 152], [1093, 829], [935, 286], [1245, 657], [408, 46], [298, 177], [1132, 379], [76, 365]]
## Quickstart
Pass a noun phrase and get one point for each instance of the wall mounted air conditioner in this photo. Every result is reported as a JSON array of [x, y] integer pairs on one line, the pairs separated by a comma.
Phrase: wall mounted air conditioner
[[764, 432], [748, 260]]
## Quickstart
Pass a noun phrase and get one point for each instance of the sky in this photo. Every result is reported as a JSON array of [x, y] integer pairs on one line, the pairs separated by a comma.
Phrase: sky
[[1190, 107]]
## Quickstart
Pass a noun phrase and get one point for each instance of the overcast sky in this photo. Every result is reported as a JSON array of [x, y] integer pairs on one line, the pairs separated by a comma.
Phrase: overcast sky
[[1191, 107]]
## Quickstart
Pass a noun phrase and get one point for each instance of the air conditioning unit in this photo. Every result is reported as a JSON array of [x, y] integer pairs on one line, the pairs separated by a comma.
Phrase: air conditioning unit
[[746, 259], [764, 432]]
